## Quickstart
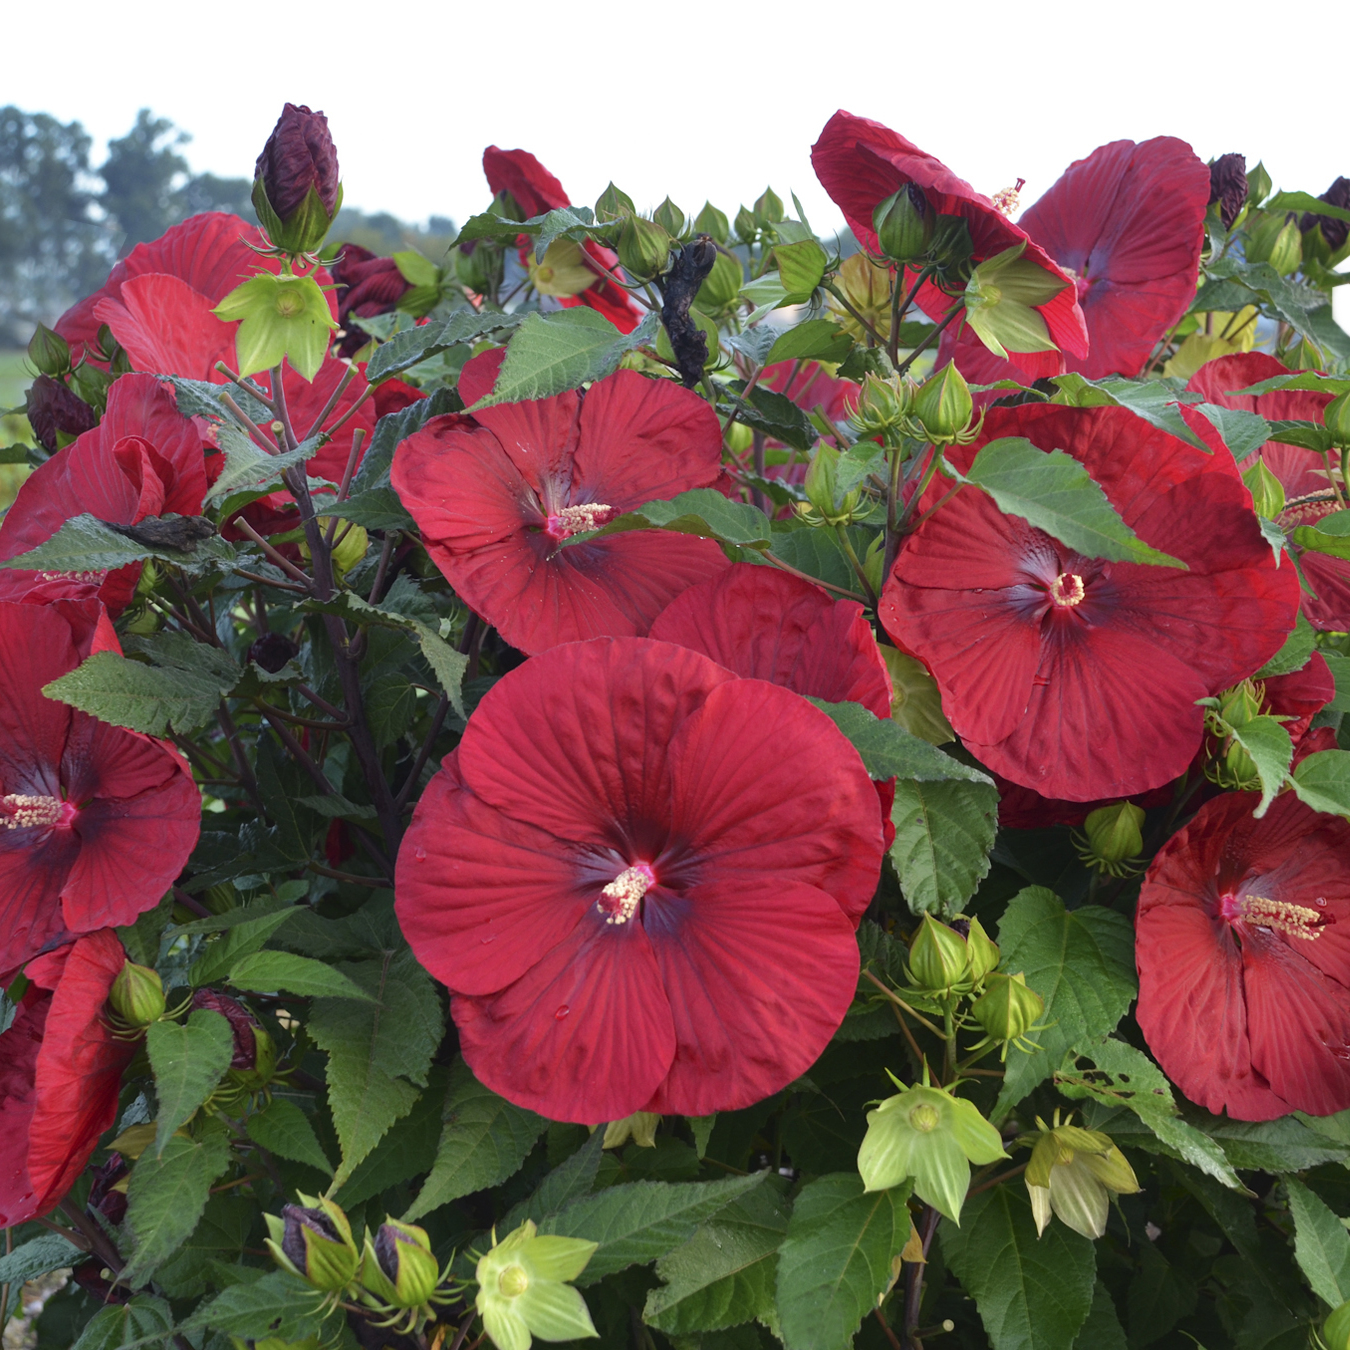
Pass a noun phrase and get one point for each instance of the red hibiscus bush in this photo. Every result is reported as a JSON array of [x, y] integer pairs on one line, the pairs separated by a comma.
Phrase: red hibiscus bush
[[685, 783]]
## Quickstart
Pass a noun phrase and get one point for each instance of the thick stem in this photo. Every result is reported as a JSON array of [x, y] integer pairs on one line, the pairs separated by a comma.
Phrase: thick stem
[[926, 1226]]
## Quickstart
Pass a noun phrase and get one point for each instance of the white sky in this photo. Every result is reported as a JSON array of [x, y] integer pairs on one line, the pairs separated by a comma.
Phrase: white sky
[[693, 100]]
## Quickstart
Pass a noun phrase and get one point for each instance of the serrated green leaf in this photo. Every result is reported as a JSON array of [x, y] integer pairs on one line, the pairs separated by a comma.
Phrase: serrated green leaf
[[725, 520], [1102, 1330], [245, 935], [1271, 751], [1294, 655], [1154, 401], [281, 1127], [943, 834], [166, 1196], [642, 1220], [86, 544], [374, 509], [552, 353], [250, 469], [484, 1140], [143, 1320], [1340, 672], [144, 698], [817, 553], [836, 1260], [188, 1060], [267, 972], [47, 1251], [1280, 1146], [1054, 492], [725, 1274], [394, 428], [814, 340], [1322, 781], [1244, 433], [889, 751], [404, 350], [278, 1305], [1321, 1245], [569, 1181], [1032, 1293], [1331, 535], [378, 1054], [407, 1151], [1081, 962]]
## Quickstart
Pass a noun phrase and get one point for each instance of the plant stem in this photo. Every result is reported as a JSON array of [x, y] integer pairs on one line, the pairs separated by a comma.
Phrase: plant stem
[[955, 311]]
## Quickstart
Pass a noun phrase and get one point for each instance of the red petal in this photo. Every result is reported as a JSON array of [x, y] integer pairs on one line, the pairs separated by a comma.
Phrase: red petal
[[479, 375], [167, 328], [519, 173], [19, 1047]]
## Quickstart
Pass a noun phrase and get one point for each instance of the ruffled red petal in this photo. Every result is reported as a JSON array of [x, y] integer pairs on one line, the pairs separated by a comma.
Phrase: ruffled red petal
[[525, 178]]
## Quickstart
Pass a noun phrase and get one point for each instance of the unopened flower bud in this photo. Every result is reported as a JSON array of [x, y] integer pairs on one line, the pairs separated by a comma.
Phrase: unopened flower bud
[[57, 415], [951, 247], [272, 650], [882, 408], [1007, 1009], [721, 286], [524, 1289], [1240, 704], [768, 207], [904, 224], [1114, 835], [398, 1267], [137, 995], [671, 219], [614, 204], [296, 191], [314, 1241], [1276, 241], [943, 405], [644, 248], [821, 487], [108, 1189], [711, 221], [937, 956], [982, 954], [1336, 418], [746, 227], [1228, 187], [1334, 232], [255, 1055], [49, 351]]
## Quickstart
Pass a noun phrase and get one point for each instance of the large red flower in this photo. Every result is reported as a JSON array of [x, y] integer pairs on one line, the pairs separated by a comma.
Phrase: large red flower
[[60, 1069], [95, 821], [860, 163], [496, 495], [1076, 676], [630, 910], [536, 191], [1244, 966], [144, 459], [1309, 495], [367, 285], [1127, 223]]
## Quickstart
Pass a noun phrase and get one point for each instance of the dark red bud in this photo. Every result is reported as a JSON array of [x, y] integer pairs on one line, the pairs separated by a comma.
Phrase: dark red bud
[[366, 285], [1333, 231], [296, 1219], [53, 408], [299, 155], [1228, 186], [241, 1023], [110, 1203], [272, 651]]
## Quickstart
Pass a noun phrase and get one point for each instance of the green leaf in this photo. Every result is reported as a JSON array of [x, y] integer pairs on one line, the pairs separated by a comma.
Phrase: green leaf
[[569, 1181], [1032, 1293], [1283, 1145], [374, 509], [1294, 655], [724, 1275], [814, 340], [484, 1140], [267, 972], [889, 751], [143, 1320], [278, 1305], [1244, 433], [405, 350], [1331, 535], [800, 266], [281, 1127], [1322, 781], [1155, 401], [166, 1196], [817, 553], [642, 1220], [707, 512], [47, 1251], [244, 936], [837, 1259], [776, 415], [86, 544], [1271, 751], [1321, 1244], [1102, 1330], [1305, 201], [392, 430], [943, 834], [1054, 492], [378, 1053], [251, 469], [1081, 962], [407, 1151], [552, 353], [188, 1060], [1340, 672]]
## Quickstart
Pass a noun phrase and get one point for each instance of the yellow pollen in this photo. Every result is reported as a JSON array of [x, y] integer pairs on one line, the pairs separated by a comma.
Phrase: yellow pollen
[[85, 578], [620, 898], [583, 516], [1067, 590], [25, 812], [1006, 198], [1298, 921]]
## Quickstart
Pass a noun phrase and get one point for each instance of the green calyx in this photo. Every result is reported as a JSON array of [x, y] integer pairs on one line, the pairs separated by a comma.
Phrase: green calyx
[[398, 1267], [137, 996], [279, 317], [1072, 1174], [1003, 299], [1008, 1010], [524, 1289], [827, 504], [943, 407], [314, 1241], [926, 1134], [644, 248], [304, 230], [1112, 838]]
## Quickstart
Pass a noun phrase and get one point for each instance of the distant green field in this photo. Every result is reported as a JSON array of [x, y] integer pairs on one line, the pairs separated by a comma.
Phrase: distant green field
[[14, 379]]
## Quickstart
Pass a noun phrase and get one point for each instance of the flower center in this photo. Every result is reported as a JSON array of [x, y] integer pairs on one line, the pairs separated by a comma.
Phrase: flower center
[[1006, 198], [924, 1117], [619, 900], [1283, 916], [84, 578], [22, 811], [513, 1281], [1067, 590], [1308, 510], [570, 520]]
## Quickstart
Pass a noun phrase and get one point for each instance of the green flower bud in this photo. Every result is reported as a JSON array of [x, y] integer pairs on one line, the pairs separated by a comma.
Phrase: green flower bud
[[614, 205], [398, 1266], [1336, 1329], [713, 222], [1267, 490], [929, 1135], [721, 286], [1336, 418], [883, 409], [1241, 704], [523, 1289], [821, 487], [1113, 835], [49, 351], [314, 1241], [640, 1127], [137, 995], [952, 247], [937, 956], [644, 248], [1008, 1009], [768, 207], [746, 227], [91, 385], [982, 954], [1073, 1173], [943, 406], [874, 563], [1276, 241], [671, 219], [1259, 185], [904, 224]]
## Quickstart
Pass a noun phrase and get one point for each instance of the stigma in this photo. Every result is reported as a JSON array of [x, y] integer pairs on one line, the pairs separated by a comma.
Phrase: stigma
[[1006, 199], [1282, 916], [1067, 590], [619, 900], [570, 520], [23, 811]]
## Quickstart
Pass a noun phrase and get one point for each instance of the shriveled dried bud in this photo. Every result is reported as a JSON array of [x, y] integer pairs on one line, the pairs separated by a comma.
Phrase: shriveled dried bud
[[1228, 187], [56, 415]]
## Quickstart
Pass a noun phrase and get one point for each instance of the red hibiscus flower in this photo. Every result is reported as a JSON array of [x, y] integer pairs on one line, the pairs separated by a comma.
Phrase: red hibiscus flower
[[629, 910], [536, 192], [60, 1069], [144, 459], [1308, 493], [1244, 967], [496, 495], [1127, 223], [860, 163], [367, 285], [1076, 676], [95, 821]]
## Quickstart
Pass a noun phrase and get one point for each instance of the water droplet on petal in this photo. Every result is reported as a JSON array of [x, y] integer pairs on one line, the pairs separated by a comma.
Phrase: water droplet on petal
[[1322, 901], [562, 1012], [420, 854]]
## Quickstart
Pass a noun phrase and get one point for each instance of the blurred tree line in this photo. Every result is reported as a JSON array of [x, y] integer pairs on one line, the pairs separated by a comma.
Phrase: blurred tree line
[[63, 222]]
